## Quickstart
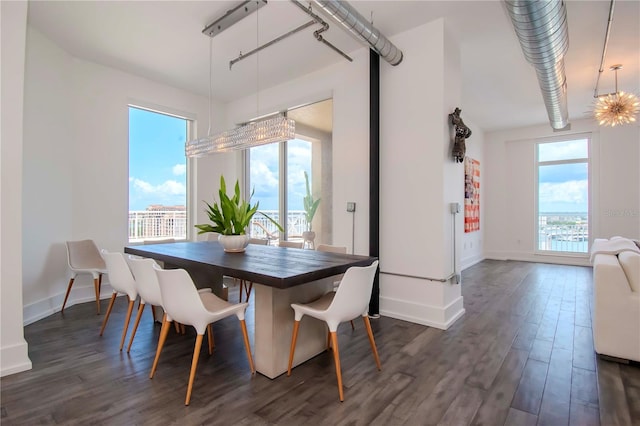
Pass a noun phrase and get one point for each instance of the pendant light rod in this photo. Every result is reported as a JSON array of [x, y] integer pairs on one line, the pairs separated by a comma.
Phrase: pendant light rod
[[274, 41], [604, 50]]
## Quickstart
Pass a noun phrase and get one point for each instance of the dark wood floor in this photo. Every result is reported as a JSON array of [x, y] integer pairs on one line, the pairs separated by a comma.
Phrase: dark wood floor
[[521, 355]]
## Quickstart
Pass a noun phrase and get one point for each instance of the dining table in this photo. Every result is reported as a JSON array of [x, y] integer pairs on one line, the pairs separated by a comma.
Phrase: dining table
[[281, 276]]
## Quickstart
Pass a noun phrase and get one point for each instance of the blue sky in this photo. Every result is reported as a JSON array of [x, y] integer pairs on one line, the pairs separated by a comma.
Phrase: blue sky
[[563, 187], [157, 164], [264, 174]]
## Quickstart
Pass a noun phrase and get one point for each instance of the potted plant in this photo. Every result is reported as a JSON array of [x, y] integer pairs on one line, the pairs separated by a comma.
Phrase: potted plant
[[230, 218], [310, 207]]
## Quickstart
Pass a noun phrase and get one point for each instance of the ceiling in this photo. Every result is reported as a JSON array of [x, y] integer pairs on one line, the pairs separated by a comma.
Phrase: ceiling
[[162, 41]]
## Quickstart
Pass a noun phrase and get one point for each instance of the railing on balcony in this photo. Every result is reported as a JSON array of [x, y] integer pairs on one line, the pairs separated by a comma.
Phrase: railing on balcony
[[563, 232], [155, 225], [150, 225]]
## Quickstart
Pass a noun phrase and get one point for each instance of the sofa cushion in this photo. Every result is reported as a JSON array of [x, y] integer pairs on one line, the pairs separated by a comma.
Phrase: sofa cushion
[[630, 263]]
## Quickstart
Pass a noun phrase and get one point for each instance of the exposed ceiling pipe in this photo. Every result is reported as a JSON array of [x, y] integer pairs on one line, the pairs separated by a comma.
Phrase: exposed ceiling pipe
[[541, 27], [363, 30]]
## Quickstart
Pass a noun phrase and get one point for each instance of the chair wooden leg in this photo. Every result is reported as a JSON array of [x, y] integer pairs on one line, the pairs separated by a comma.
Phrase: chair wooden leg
[[96, 285], [177, 326], [294, 338], [163, 337], [353, 327], [210, 338], [106, 317], [372, 342], [126, 323], [135, 326], [153, 312], [66, 296], [99, 283], [247, 346], [336, 359], [183, 330], [247, 289], [194, 365]]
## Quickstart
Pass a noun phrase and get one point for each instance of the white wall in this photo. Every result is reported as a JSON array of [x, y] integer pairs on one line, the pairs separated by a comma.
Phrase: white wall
[[13, 347], [419, 179], [509, 187], [76, 164]]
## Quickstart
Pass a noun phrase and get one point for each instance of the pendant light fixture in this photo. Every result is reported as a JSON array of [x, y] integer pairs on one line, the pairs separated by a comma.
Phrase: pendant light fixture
[[616, 108], [272, 129]]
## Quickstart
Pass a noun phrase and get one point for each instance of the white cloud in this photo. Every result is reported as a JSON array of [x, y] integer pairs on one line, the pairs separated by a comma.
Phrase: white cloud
[[179, 169], [169, 187], [574, 191]]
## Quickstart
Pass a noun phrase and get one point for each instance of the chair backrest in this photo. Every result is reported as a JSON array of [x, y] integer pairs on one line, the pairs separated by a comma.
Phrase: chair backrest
[[353, 294], [291, 244], [332, 249], [84, 255], [259, 241], [120, 276], [180, 297], [146, 279]]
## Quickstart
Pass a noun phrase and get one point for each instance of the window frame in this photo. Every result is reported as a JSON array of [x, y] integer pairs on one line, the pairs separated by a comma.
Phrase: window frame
[[590, 182], [191, 126]]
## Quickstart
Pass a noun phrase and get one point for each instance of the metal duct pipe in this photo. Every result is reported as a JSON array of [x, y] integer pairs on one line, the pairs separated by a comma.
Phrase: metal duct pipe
[[364, 31], [541, 27]]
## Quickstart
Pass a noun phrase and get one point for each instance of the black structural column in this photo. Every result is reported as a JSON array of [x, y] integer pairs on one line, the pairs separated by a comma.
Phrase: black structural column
[[374, 174]]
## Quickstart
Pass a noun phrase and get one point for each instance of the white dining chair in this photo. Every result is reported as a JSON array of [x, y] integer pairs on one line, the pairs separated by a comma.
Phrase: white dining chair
[[335, 249], [83, 257], [331, 248], [146, 281], [184, 304], [122, 281], [350, 301], [291, 244]]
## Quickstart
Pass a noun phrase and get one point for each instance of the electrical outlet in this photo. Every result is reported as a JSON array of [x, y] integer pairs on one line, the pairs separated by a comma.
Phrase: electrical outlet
[[351, 206]]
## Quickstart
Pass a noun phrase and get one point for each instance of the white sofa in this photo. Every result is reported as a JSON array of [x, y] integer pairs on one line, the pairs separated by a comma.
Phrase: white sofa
[[616, 291]]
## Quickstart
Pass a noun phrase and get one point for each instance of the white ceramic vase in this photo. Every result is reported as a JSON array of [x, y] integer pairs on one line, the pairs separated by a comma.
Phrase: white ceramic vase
[[233, 243]]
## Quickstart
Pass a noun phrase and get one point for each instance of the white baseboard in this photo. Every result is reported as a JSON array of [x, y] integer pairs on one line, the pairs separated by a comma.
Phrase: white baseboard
[[14, 359], [471, 260], [538, 258], [432, 316], [43, 308]]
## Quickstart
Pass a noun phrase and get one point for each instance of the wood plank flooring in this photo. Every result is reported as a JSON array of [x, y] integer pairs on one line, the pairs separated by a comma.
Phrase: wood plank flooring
[[521, 355]]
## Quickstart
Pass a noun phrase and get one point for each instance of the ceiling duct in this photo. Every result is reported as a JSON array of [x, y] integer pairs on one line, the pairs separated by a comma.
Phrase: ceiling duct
[[541, 27], [363, 30]]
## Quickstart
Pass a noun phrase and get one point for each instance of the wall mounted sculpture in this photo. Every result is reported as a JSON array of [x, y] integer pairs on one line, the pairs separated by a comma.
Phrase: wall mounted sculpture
[[462, 132]]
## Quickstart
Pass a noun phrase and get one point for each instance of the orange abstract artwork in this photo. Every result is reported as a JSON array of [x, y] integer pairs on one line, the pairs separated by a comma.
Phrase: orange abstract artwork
[[471, 195]]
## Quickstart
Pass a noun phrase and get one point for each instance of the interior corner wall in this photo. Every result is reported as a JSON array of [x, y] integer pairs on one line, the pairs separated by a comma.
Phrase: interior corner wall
[[509, 188], [14, 355], [76, 164], [348, 85], [419, 179]]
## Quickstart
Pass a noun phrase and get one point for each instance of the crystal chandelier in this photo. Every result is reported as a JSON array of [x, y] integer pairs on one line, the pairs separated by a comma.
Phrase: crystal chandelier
[[255, 133], [616, 108]]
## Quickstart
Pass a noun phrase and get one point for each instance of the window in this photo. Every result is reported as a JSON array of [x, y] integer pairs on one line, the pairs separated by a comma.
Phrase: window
[[280, 187], [157, 176], [563, 201]]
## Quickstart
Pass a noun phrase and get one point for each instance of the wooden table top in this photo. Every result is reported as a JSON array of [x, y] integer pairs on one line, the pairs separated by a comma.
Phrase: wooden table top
[[269, 265]]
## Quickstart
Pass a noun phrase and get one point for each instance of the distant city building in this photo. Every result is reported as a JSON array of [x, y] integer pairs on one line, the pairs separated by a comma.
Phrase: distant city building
[[160, 207]]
